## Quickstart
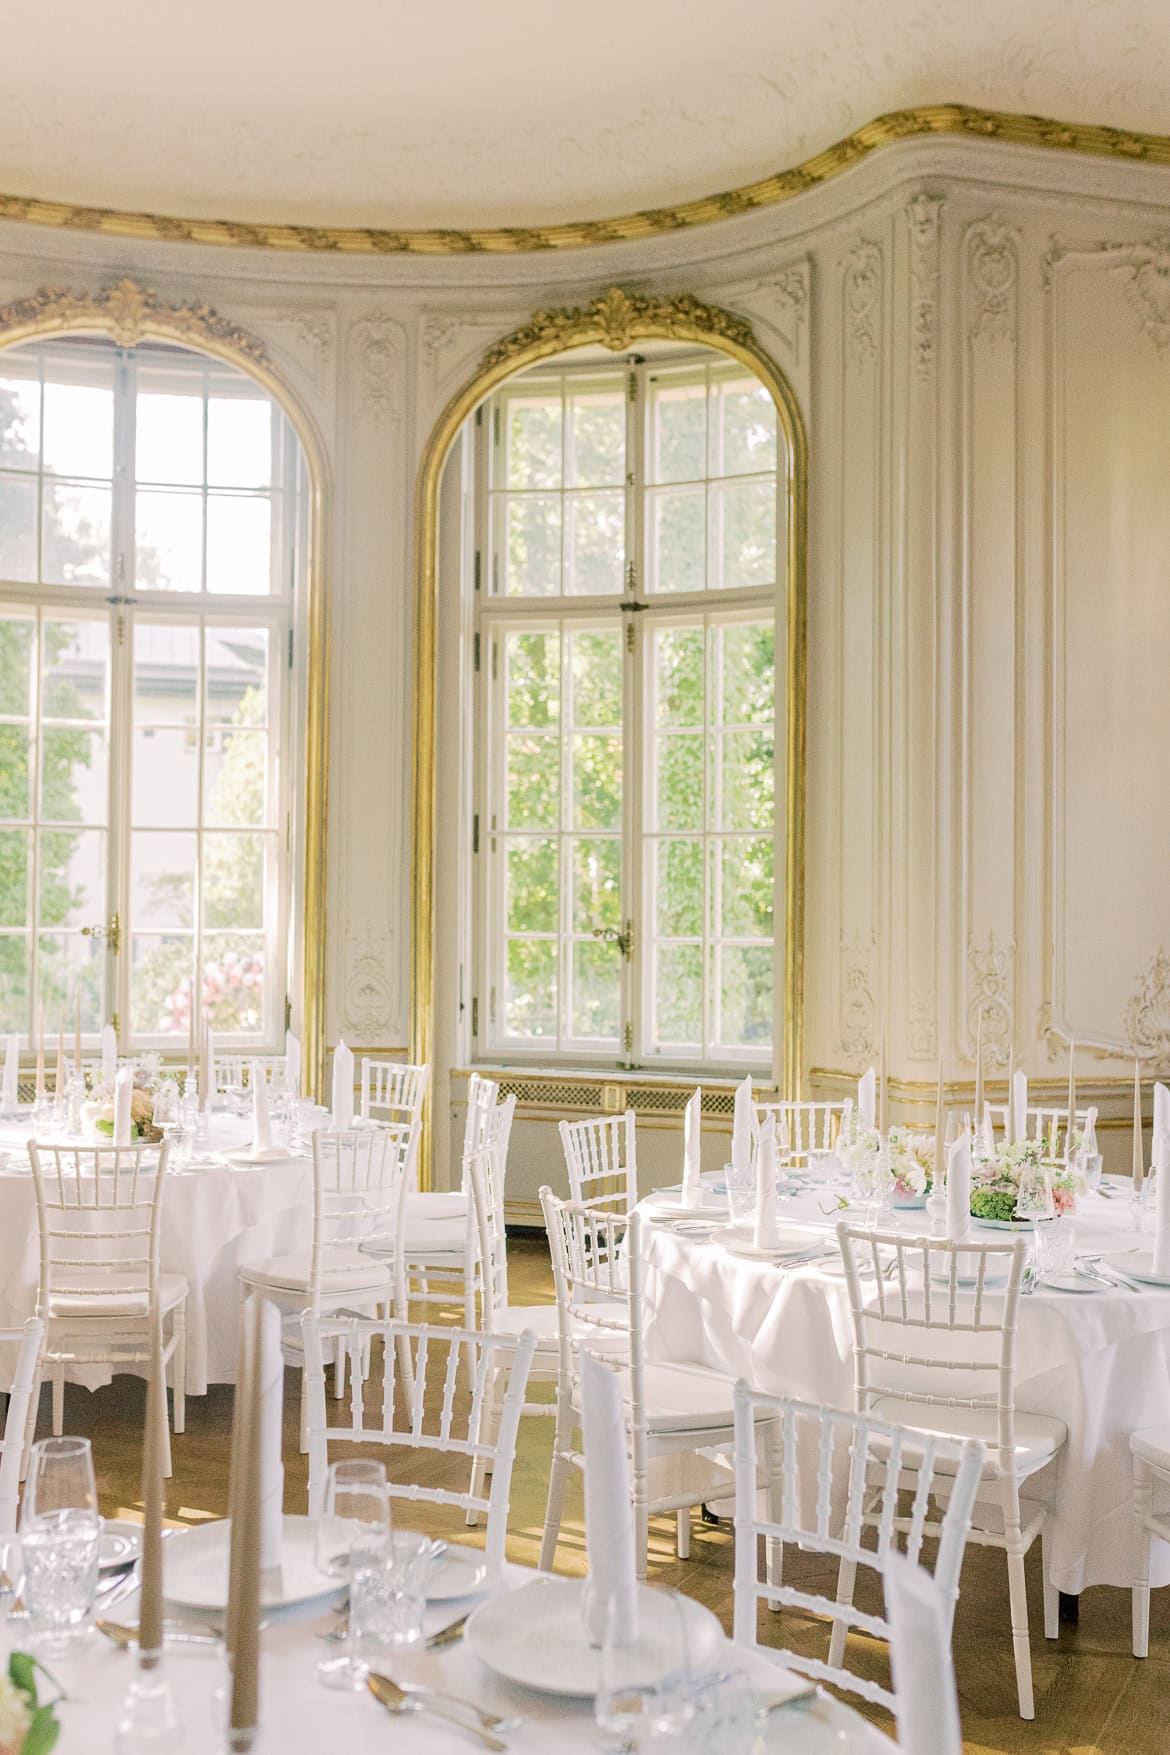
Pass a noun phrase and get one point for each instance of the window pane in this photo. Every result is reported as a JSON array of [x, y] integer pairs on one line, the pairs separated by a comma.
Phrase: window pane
[[240, 441], [235, 778], [679, 782], [596, 544], [596, 664], [597, 782], [160, 984], [14, 983], [596, 1010], [678, 889], [18, 528], [534, 778], [678, 995], [746, 893], [20, 419], [747, 668], [745, 995], [168, 440], [744, 514], [233, 880], [532, 546], [596, 865], [15, 853], [743, 428], [17, 648], [79, 428], [530, 997], [533, 678], [597, 438], [748, 780], [233, 981], [163, 880], [237, 676], [70, 967], [74, 777], [680, 661], [532, 441], [72, 878], [168, 537], [532, 885], [166, 674], [239, 545], [679, 431], [75, 534], [15, 767], [76, 658], [678, 540], [164, 786]]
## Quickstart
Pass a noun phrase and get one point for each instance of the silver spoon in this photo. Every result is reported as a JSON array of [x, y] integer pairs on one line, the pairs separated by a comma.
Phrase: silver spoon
[[396, 1700]]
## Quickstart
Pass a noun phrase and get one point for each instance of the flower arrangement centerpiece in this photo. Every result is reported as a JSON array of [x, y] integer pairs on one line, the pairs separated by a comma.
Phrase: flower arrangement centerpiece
[[99, 1111], [28, 1726], [996, 1180], [910, 1160]]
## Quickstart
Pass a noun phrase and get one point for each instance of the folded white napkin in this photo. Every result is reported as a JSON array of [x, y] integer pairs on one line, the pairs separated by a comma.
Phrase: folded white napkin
[[342, 1088], [261, 1124], [767, 1229], [692, 1187], [609, 1511], [1159, 1141], [920, 1655], [1018, 1098], [292, 1064], [109, 1055], [11, 1073], [271, 1367], [959, 1188], [866, 1098], [123, 1099], [743, 1127]]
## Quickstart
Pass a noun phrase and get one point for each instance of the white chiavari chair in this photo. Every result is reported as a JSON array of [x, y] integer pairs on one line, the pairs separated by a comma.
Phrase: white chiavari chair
[[811, 1127], [483, 1096], [233, 1072], [934, 1350], [393, 1091], [1150, 1452], [20, 1414], [601, 1158], [355, 1258], [671, 1410], [462, 1368], [99, 1213], [819, 1457], [1050, 1125]]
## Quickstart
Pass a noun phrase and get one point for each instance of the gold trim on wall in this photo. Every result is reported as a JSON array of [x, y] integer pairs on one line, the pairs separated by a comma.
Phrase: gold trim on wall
[[128, 313], [930, 119], [616, 319]]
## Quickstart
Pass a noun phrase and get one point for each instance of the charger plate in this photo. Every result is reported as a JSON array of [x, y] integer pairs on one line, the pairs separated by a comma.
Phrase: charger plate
[[195, 1568], [536, 1636], [1071, 1282], [460, 1572], [120, 1545]]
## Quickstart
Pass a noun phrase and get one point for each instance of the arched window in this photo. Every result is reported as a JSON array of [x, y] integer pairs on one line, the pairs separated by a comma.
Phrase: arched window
[[153, 514], [623, 613]]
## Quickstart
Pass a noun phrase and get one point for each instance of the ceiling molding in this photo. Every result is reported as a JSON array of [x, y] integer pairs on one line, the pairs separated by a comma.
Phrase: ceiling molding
[[1000, 126]]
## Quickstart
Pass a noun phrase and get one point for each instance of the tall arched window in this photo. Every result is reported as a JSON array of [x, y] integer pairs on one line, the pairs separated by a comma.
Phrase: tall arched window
[[624, 605], [152, 530]]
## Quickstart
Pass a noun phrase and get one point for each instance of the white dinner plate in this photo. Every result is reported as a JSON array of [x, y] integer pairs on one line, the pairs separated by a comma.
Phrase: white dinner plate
[[699, 1229], [195, 1568], [1139, 1265], [671, 1203], [120, 1545], [1071, 1282], [460, 1572], [781, 1257], [249, 1160], [536, 1636], [1004, 1224]]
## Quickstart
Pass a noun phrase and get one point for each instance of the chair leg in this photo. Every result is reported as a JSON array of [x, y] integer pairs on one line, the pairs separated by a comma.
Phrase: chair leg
[[304, 1422], [179, 1369], [846, 1583], [682, 1519], [1021, 1647], [487, 1420], [58, 1400], [554, 1509], [1143, 1497], [1051, 1594], [773, 1546], [338, 1371]]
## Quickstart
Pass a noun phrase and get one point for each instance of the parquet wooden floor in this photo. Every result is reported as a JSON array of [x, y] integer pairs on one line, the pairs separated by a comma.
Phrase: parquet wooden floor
[[1092, 1697]]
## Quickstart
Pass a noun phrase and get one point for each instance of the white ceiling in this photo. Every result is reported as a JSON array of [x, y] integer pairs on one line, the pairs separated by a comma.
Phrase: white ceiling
[[494, 112]]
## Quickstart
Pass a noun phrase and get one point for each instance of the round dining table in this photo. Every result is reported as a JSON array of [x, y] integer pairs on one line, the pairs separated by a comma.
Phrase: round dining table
[[216, 1217], [1098, 1359]]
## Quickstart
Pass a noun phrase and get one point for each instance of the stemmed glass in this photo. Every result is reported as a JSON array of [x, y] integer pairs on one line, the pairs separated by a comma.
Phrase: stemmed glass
[[353, 1534], [60, 1538], [644, 1687]]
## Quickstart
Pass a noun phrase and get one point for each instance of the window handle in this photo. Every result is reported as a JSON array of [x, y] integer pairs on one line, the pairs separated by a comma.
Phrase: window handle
[[112, 933], [623, 940]]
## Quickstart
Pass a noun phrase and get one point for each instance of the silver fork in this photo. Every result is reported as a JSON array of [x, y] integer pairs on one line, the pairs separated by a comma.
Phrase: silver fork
[[491, 1721]]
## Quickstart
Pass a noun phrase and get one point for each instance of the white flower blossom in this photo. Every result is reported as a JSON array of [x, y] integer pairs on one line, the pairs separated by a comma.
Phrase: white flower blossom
[[15, 1716]]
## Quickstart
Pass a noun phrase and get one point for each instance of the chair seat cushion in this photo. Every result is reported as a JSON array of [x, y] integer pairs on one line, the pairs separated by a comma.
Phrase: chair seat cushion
[[542, 1320], [686, 1398], [431, 1208], [1152, 1443], [427, 1237], [118, 1296], [342, 1271], [1038, 1438]]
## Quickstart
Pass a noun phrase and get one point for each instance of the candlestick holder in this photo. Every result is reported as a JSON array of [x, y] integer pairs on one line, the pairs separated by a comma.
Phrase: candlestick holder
[[149, 1719]]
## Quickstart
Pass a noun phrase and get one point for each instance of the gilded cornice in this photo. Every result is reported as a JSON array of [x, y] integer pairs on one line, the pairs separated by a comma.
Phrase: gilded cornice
[[936, 119], [128, 313]]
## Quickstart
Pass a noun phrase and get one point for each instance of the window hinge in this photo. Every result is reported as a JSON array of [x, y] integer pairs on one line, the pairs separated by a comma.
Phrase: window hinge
[[475, 833], [628, 1038], [115, 1022], [631, 576], [287, 1016], [492, 1005], [477, 569], [495, 574], [120, 569], [475, 1017], [629, 636], [496, 425], [475, 650], [290, 648], [632, 386], [479, 415], [495, 659]]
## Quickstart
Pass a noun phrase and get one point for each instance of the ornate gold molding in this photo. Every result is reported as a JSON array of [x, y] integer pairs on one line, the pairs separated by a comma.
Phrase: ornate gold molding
[[129, 313], [932, 119], [616, 319]]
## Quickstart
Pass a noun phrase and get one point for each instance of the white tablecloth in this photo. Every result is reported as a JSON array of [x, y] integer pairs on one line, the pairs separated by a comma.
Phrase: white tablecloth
[[300, 1717], [214, 1220], [1098, 1361]]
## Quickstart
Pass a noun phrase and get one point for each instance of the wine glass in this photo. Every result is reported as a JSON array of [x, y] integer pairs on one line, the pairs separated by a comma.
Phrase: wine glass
[[644, 1687], [352, 1536], [60, 1538]]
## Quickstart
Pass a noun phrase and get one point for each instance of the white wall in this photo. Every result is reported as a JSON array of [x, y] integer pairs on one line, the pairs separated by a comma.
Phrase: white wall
[[979, 338]]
